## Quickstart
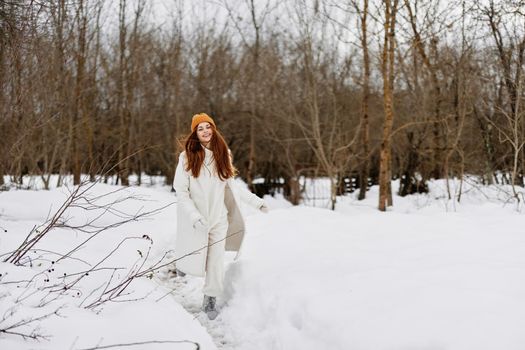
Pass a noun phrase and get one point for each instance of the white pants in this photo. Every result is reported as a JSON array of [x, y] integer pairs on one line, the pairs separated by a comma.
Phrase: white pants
[[214, 280]]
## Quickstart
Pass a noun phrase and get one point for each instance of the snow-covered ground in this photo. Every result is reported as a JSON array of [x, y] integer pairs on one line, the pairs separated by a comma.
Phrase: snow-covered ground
[[430, 273], [142, 313]]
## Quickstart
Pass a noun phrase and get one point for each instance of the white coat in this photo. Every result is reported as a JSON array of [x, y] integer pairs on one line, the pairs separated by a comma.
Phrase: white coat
[[192, 200]]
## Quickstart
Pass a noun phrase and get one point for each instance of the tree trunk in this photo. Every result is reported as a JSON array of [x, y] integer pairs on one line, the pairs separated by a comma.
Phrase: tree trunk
[[437, 148], [121, 99], [333, 191], [79, 112], [254, 92], [3, 46], [387, 70], [90, 118], [294, 190], [61, 94], [365, 132], [251, 154]]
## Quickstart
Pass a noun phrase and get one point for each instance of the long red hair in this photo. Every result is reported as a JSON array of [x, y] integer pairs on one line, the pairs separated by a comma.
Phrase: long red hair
[[195, 154]]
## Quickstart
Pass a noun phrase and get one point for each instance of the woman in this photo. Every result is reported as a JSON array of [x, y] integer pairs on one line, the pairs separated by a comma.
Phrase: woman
[[208, 217]]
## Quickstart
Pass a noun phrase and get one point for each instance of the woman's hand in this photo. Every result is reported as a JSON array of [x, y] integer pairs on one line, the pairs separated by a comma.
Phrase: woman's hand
[[200, 226], [264, 208]]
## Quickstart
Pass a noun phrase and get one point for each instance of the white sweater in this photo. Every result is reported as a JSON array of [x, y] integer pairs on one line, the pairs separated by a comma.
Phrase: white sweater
[[215, 210]]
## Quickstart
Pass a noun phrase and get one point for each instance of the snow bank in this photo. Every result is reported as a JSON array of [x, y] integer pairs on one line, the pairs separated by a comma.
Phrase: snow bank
[[359, 279], [431, 273], [143, 313]]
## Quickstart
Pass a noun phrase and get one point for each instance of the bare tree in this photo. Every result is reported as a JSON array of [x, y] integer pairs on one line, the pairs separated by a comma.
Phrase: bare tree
[[365, 124], [326, 128], [75, 93], [512, 133], [432, 67], [387, 71], [79, 112], [509, 41], [257, 17]]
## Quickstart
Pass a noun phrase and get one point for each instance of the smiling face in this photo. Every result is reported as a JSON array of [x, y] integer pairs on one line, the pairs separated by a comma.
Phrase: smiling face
[[204, 133]]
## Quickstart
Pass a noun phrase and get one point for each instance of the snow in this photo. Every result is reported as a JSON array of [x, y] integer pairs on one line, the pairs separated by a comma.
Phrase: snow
[[430, 273], [141, 314], [377, 283]]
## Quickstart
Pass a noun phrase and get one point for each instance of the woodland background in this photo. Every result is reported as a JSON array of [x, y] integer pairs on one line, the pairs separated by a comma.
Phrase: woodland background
[[360, 92]]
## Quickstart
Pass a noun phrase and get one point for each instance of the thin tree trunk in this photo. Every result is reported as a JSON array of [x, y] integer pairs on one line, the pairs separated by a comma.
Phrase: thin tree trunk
[[437, 148], [61, 91], [121, 100], [79, 112], [517, 142], [365, 132], [3, 46], [251, 155], [387, 68], [90, 118], [254, 91]]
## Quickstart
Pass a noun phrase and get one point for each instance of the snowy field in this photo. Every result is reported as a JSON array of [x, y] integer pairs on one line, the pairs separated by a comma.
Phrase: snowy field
[[430, 274]]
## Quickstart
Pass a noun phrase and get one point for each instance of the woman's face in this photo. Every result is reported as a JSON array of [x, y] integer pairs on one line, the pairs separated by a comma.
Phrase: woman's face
[[204, 133]]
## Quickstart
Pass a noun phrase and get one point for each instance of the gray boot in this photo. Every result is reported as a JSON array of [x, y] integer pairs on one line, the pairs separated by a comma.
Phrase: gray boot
[[209, 307]]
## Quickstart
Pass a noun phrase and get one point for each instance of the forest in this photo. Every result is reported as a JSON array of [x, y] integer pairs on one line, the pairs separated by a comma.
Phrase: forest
[[385, 140], [360, 92]]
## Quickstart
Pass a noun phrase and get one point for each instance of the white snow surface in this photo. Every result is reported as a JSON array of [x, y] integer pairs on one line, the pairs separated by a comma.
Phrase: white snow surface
[[429, 274]]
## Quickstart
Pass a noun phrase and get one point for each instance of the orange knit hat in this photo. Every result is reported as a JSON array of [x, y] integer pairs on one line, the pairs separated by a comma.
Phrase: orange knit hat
[[199, 118]]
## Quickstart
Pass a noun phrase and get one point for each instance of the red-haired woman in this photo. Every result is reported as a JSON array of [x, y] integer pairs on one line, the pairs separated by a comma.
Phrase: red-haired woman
[[208, 217]]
